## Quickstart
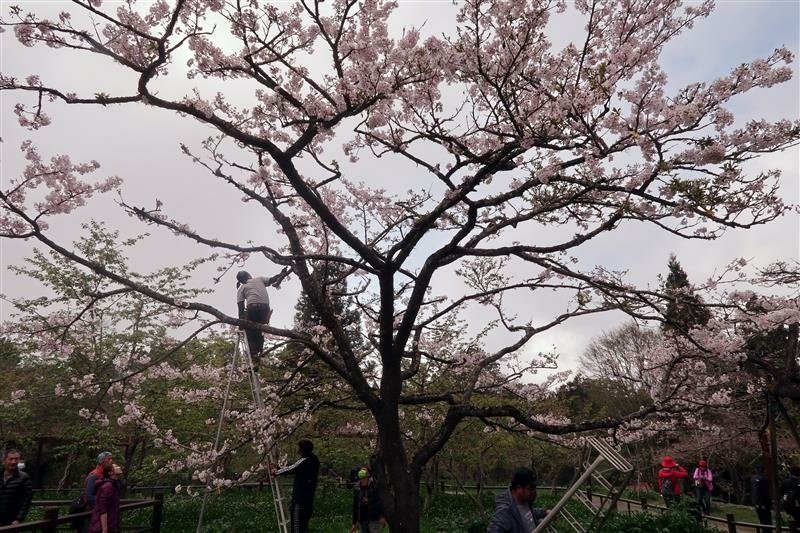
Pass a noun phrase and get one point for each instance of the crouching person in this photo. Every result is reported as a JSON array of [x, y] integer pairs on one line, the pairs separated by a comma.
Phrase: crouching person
[[514, 511]]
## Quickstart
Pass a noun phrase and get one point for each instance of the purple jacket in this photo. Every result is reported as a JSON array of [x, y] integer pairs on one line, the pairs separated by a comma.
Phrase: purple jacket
[[106, 502]]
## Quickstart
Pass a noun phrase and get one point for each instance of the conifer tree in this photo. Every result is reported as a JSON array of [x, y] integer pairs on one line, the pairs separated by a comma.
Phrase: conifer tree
[[685, 309]]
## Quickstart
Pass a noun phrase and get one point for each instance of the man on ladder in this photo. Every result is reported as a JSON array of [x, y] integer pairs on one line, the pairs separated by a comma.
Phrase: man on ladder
[[253, 303], [305, 472]]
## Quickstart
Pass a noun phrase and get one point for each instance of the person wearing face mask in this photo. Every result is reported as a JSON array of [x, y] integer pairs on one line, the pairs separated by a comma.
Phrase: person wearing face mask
[[367, 513]]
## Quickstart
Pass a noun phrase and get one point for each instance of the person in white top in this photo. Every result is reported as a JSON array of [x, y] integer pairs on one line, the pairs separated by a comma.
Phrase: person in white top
[[253, 303]]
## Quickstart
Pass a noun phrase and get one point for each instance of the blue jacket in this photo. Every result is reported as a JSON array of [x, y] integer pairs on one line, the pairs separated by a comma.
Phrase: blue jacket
[[506, 518]]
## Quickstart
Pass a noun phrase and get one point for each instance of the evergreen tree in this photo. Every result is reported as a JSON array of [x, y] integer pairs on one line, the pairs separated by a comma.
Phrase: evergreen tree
[[332, 277], [685, 309]]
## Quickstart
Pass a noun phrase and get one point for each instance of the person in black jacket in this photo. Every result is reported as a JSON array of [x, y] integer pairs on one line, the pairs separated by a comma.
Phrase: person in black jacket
[[16, 491], [790, 493], [305, 472], [367, 513], [759, 493]]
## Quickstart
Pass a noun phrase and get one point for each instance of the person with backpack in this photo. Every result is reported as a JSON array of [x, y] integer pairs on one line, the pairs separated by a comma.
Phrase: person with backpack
[[759, 494], [669, 480], [105, 513], [703, 486], [790, 493]]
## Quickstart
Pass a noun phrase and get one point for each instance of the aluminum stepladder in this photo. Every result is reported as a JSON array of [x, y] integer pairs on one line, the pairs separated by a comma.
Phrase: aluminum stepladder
[[609, 470], [242, 350]]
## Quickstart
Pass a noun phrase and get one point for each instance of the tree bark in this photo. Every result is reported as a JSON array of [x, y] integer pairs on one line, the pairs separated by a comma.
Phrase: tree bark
[[398, 482]]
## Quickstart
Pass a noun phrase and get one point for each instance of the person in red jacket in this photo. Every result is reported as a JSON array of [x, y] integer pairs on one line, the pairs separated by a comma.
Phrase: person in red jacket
[[669, 480]]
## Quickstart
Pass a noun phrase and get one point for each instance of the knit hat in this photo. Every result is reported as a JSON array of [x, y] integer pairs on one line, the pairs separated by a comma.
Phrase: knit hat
[[668, 462], [702, 464], [102, 456]]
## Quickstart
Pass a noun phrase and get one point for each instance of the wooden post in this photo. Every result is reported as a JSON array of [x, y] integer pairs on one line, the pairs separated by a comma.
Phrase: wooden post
[[629, 506], [731, 522], [50, 513], [643, 503], [158, 513]]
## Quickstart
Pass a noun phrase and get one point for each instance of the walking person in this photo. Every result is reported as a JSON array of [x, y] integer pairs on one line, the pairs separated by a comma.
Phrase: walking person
[[759, 493], [669, 480], [305, 472], [703, 486], [514, 511], [367, 512], [16, 490], [105, 512]]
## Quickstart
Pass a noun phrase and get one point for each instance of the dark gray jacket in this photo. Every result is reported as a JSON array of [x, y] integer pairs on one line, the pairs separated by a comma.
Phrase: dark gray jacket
[[15, 497], [506, 518]]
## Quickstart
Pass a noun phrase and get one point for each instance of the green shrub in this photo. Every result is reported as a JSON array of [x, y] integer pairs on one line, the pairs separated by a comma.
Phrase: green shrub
[[676, 521]]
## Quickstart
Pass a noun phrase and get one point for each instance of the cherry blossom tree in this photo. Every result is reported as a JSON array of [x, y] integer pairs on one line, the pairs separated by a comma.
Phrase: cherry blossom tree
[[532, 152], [106, 355]]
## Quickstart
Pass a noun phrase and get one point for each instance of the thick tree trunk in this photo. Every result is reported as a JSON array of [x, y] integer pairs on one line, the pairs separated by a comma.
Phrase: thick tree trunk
[[398, 484], [400, 496]]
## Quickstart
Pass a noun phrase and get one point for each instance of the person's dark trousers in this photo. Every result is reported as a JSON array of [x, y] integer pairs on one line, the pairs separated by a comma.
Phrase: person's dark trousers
[[703, 500], [764, 517], [301, 515], [255, 338]]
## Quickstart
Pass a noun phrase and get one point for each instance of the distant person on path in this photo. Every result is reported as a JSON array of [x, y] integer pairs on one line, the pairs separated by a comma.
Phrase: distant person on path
[[759, 493], [16, 490], [703, 486], [514, 511], [253, 303], [104, 460], [367, 512], [305, 472], [790, 493], [669, 480], [105, 513]]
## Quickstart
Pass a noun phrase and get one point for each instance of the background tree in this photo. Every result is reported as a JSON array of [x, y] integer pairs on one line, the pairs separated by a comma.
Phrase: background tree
[[104, 355], [617, 354], [685, 309]]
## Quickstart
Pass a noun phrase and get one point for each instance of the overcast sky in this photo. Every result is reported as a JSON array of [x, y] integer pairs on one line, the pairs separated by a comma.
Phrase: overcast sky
[[142, 146]]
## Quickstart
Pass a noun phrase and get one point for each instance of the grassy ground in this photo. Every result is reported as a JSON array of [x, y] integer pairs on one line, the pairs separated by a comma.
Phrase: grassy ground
[[251, 511]]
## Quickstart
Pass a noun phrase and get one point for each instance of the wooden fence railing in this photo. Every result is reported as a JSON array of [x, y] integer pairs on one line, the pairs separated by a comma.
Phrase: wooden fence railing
[[729, 520], [51, 520]]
